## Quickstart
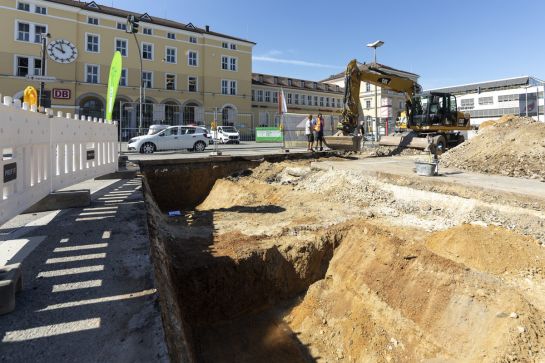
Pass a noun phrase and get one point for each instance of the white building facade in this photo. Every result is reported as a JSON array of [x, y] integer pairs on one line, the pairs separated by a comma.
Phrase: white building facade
[[522, 96]]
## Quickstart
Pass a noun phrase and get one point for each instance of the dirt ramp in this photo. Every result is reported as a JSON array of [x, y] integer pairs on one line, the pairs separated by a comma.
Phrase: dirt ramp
[[391, 299]]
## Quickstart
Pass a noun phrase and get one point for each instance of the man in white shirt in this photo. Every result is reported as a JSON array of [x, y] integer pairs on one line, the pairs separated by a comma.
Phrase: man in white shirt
[[309, 126]]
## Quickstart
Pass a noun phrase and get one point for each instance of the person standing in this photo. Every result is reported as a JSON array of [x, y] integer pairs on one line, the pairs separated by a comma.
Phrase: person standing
[[309, 125], [319, 132]]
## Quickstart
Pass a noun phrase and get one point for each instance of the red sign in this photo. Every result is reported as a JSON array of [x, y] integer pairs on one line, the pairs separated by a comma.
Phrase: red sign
[[62, 93]]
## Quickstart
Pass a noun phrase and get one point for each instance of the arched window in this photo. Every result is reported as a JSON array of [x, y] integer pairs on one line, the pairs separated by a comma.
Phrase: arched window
[[91, 106], [228, 115], [172, 113], [190, 113]]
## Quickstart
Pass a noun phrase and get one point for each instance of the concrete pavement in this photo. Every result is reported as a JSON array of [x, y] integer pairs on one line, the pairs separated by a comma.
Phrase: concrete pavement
[[88, 293]]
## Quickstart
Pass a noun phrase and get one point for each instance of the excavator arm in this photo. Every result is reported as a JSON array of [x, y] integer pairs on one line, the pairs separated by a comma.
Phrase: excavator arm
[[373, 74]]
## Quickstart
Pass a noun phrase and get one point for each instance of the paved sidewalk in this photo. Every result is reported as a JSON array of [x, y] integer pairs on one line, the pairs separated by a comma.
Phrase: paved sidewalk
[[88, 292]]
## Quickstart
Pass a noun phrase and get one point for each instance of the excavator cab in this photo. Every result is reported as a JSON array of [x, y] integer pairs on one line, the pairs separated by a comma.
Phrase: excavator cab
[[433, 109]]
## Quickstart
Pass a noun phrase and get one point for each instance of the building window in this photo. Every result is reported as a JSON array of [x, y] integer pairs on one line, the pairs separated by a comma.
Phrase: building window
[[123, 79], [296, 99], [303, 84], [193, 40], [23, 6], [121, 46], [290, 82], [148, 31], [309, 99], [338, 103], [315, 100], [267, 96], [367, 104], [259, 95], [275, 97], [23, 32], [92, 21], [170, 80], [229, 63], [289, 98], [93, 43], [192, 59], [224, 45], [253, 95], [303, 98], [92, 73], [41, 10], [38, 31], [192, 84], [122, 26], [486, 100], [147, 51], [467, 104], [171, 36], [233, 46], [327, 102], [321, 102], [337, 88], [275, 80], [28, 66], [508, 98], [367, 87], [147, 79], [315, 85], [171, 55], [228, 87]]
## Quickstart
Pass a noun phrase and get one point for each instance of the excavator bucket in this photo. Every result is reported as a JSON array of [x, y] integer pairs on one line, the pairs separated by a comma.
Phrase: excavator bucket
[[345, 143], [404, 140]]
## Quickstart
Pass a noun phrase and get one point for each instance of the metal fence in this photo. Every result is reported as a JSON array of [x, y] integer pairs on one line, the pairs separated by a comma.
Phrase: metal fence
[[172, 114], [294, 128]]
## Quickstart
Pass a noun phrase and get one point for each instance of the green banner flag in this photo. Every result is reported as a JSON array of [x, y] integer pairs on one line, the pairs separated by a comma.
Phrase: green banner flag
[[113, 84]]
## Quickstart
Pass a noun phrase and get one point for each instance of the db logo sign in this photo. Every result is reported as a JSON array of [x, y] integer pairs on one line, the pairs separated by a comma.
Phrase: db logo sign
[[61, 93]]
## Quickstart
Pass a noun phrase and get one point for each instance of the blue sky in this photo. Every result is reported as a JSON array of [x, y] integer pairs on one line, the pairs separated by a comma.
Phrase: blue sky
[[445, 42]]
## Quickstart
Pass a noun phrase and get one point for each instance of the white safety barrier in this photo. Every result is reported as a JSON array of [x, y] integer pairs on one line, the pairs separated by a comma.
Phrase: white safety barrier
[[41, 153]]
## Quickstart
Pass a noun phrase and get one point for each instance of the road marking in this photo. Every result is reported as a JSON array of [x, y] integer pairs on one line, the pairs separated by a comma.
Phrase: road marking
[[77, 285], [71, 271], [98, 208], [106, 234], [103, 212], [93, 256], [85, 219], [51, 330], [99, 300], [80, 247]]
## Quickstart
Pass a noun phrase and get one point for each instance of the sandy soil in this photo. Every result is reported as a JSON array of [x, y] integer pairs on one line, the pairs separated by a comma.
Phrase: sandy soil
[[370, 272]]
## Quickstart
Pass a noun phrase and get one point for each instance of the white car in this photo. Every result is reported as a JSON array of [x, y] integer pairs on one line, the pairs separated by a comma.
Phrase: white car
[[192, 138], [227, 134]]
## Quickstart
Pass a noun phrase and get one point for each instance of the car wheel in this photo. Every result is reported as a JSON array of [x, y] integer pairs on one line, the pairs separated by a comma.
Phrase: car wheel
[[199, 146], [147, 148]]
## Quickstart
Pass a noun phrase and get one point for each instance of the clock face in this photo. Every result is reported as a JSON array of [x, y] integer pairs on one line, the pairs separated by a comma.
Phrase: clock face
[[62, 51]]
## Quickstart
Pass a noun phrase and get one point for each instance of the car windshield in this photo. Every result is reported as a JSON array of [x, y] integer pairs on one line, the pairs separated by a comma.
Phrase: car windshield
[[229, 129]]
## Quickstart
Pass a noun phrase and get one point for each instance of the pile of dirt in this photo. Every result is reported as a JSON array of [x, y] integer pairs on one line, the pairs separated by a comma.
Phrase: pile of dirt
[[390, 151], [511, 146]]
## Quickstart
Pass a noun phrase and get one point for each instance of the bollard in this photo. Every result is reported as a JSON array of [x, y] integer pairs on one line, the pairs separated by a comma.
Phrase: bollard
[[59, 114], [17, 103], [90, 119], [25, 106], [7, 100], [68, 115], [33, 108]]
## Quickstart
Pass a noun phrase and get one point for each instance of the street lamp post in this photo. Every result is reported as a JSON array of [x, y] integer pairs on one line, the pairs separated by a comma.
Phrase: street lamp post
[[375, 45], [44, 37]]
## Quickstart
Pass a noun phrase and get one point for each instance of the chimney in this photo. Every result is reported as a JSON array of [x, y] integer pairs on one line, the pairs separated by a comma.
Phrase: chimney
[[207, 27]]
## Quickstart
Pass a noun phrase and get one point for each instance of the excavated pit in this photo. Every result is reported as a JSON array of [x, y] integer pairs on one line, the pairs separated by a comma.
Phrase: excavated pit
[[283, 262]]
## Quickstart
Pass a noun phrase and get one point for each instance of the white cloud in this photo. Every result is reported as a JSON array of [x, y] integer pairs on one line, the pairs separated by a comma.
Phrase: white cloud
[[268, 58]]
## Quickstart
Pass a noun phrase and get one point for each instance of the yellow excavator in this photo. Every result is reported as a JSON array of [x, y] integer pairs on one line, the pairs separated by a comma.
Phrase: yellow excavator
[[429, 118]]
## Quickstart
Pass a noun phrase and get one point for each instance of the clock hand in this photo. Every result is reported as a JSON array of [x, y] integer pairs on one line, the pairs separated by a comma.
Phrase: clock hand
[[60, 48]]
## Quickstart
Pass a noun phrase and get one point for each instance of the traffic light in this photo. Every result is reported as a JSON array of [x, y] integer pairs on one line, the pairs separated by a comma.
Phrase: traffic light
[[132, 24]]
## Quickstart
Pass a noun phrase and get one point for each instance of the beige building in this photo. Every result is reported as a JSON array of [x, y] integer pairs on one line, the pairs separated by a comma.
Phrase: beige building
[[302, 97], [188, 72], [389, 104]]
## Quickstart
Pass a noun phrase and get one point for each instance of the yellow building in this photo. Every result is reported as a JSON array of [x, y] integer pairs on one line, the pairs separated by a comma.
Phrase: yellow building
[[189, 73], [302, 97]]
